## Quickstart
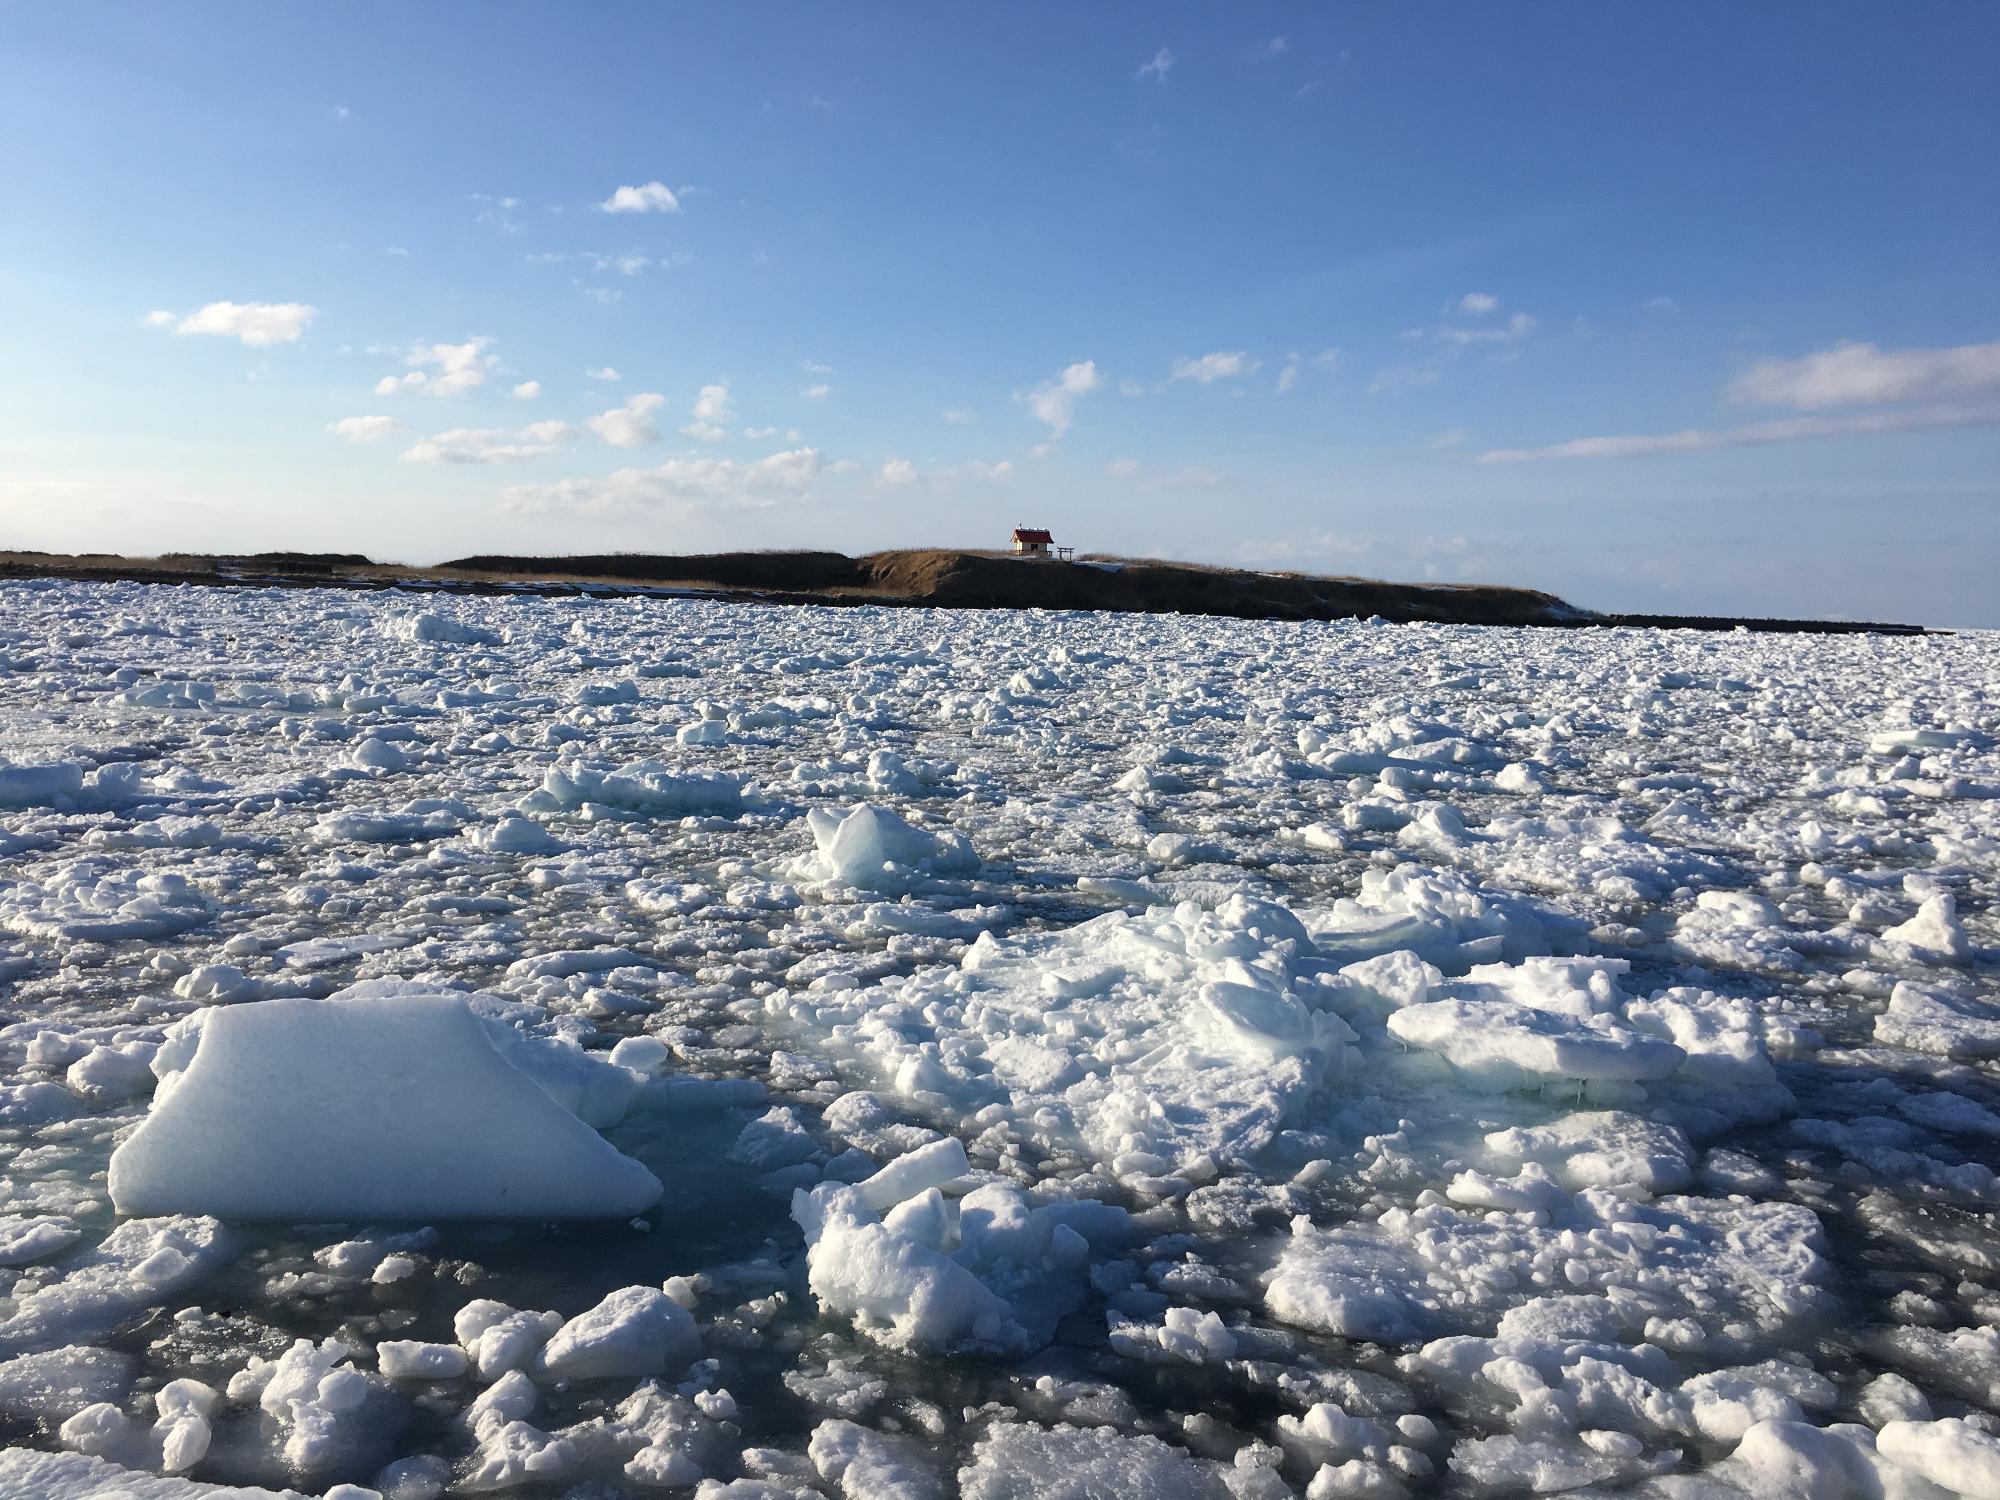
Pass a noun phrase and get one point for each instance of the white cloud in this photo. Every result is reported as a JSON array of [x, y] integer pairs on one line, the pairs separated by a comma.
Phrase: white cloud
[[1451, 437], [624, 265], [959, 415], [1519, 326], [1122, 468], [814, 367], [1478, 304], [489, 445], [603, 296], [496, 211], [528, 390], [363, 429], [711, 411], [1759, 434], [898, 471], [683, 482], [1394, 378], [1865, 375], [442, 369], [1272, 48], [1054, 400], [1159, 66], [1665, 306], [1228, 365], [817, 392], [647, 198], [630, 425], [257, 324], [605, 373]]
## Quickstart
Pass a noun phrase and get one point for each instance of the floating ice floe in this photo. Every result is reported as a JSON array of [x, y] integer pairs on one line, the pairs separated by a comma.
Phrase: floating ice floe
[[990, 1271], [385, 1106], [871, 847], [644, 787], [1150, 1041]]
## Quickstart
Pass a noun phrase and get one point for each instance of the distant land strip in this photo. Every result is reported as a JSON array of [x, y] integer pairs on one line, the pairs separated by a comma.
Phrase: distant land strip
[[927, 578]]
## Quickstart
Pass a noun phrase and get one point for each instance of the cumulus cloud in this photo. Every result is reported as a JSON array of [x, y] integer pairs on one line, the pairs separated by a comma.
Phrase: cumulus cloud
[[1158, 66], [489, 445], [681, 482], [363, 429], [647, 198], [711, 410], [528, 390], [898, 471], [1208, 369], [630, 425], [257, 324], [1866, 375], [1054, 401], [1759, 434], [1478, 304], [442, 369], [604, 373], [817, 392]]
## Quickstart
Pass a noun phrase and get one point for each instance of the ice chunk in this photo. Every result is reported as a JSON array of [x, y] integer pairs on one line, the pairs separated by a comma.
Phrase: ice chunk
[[1015, 1461], [1501, 1045], [915, 1172], [1604, 1148], [407, 1359], [1934, 934], [872, 847], [429, 627], [644, 786], [77, 1476], [38, 785], [1935, 1021], [636, 1331], [899, 1291], [1950, 1452], [388, 1106], [138, 1265]]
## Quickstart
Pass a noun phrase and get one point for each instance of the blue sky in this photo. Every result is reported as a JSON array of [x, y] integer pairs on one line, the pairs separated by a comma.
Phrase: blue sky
[[1345, 289]]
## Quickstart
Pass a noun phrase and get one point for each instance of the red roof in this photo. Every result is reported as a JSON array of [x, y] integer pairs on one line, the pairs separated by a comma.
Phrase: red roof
[[1029, 534]]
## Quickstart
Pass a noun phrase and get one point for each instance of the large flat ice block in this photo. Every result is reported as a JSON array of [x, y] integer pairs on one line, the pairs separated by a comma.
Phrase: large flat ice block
[[390, 1107]]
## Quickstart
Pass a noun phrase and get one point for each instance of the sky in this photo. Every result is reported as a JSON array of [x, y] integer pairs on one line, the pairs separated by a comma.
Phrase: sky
[[1687, 308]]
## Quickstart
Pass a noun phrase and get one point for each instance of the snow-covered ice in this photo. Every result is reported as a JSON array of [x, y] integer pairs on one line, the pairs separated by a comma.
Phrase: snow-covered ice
[[648, 1047]]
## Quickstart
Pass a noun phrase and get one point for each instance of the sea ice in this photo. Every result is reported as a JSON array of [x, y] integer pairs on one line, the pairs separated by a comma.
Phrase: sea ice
[[393, 1106]]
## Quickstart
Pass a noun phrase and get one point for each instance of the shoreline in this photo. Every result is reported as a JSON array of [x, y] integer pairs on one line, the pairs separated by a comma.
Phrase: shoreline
[[927, 578]]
